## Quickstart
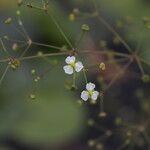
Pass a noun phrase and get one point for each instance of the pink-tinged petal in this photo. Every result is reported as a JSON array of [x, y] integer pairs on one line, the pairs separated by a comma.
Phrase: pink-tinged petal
[[95, 95], [68, 69], [78, 66], [90, 86], [84, 95], [70, 59]]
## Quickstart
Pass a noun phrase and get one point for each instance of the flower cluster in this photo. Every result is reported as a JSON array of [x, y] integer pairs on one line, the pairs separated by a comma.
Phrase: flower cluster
[[89, 93], [72, 65], [76, 66]]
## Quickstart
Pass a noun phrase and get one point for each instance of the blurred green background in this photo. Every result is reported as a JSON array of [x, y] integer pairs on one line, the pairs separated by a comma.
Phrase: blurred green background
[[55, 118]]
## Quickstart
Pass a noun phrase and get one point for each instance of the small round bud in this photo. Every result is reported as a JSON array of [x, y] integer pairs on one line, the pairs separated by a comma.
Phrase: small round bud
[[72, 17], [15, 47], [91, 122], [33, 71], [76, 11], [14, 64], [102, 114], [18, 13], [8, 21], [99, 146], [85, 27], [40, 53], [118, 121], [20, 2], [32, 96], [91, 143], [37, 79], [146, 78], [102, 66]]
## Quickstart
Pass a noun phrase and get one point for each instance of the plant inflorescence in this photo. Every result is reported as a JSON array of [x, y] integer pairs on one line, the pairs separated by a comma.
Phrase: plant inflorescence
[[74, 66]]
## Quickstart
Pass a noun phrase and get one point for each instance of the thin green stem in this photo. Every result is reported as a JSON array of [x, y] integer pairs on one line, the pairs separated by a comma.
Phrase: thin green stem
[[80, 39], [47, 45], [21, 33], [118, 75], [140, 65], [85, 76], [74, 79], [23, 28], [60, 30], [44, 55], [4, 48], [25, 51], [105, 52], [68, 53], [15, 40], [4, 74], [112, 30]]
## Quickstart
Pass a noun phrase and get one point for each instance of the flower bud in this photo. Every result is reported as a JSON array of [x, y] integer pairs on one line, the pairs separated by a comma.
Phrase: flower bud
[[85, 27]]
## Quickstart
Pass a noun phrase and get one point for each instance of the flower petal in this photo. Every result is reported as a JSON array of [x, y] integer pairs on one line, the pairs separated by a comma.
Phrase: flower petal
[[90, 86], [78, 66], [68, 69], [95, 95], [84, 95], [70, 59]]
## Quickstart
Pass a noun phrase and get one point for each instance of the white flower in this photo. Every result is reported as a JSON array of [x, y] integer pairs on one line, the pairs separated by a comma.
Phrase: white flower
[[72, 65], [89, 93]]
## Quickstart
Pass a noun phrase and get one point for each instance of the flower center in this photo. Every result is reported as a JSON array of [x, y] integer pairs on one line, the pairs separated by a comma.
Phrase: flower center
[[72, 65], [90, 92]]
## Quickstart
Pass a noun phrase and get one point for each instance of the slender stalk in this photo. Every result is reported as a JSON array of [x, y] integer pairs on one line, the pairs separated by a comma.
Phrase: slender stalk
[[4, 74], [25, 51], [85, 76], [15, 40], [67, 53], [47, 45], [105, 52], [144, 61], [140, 65], [118, 75], [23, 28], [44, 55], [112, 30], [79, 40], [60, 30], [4, 48]]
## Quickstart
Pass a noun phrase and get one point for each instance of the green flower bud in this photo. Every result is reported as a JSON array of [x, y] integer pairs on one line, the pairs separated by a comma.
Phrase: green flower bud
[[8, 21], [85, 27]]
